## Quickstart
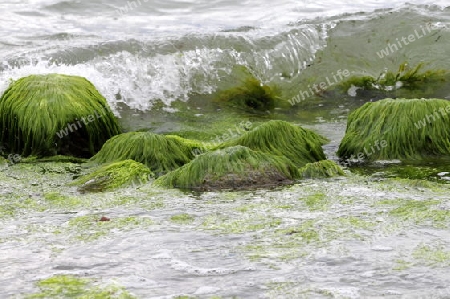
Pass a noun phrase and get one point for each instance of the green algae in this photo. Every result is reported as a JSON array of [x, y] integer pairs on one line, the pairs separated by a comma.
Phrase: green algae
[[297, 238], [235, 167], [68, 286], [183, 218], [405, 129], [56, 199], [252, 96], [113, 176], [397, 184], [57, 158], [64, 103], [245, 223], [419, 211], [413, 172], [159, 153], [401, 265], [408, 78], [194, 145], [432, 255], [42, 187], [305, 233], [281, 138], [415, 176], [321, 169], [7, 211], [356, 222], [316, 202], [3, 163], [90, 227], [296, 289]]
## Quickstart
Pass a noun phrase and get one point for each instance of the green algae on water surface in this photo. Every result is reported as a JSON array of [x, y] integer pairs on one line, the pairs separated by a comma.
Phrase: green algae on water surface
[[321, 169], [46, 115], [89, 228], [159, 153], [243, 224], [235, 167], [419, 211], [405, 78], [182, 218], [68, 286], [114, 175], [317, 201], [433, 255], [57, 158], [281, 138], [405, 129], [63, 201], [417, 175]]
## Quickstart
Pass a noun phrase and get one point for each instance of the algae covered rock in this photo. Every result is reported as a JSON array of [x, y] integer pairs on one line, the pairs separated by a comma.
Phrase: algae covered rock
[[114, 175], [281, 138], [405, 129], [321, 169], [159, 153], [46, 115], [235, 167]]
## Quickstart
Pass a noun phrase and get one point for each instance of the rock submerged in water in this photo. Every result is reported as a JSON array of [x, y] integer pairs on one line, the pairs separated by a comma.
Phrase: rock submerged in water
[[159, 153], [277, 137], [234, 168], [251, 96], [112, 176], [54, 114], [404, 129]]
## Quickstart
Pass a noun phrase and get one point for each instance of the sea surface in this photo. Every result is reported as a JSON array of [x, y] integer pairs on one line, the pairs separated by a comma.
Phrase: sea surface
[[152, 59]]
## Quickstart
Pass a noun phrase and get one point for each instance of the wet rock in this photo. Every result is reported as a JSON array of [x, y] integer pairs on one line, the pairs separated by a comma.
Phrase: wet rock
[[112, 176], [281, 138], [234, 168], [46, 115], [405, 129], [159, 153]]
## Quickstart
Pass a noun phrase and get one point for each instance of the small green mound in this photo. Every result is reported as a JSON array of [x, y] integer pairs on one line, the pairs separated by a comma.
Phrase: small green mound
[[252, 96], [47, 115], [405, 78], [160, 153], [281, 138], [321, 169], [68, 286], [405, 129], [235, 167], [112, 176]]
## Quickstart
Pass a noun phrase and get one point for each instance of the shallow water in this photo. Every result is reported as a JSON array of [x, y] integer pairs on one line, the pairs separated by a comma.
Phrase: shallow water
[[340, 238], [160, 65]]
